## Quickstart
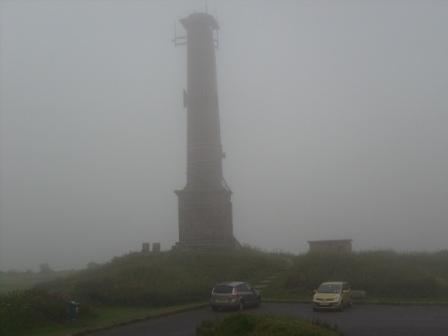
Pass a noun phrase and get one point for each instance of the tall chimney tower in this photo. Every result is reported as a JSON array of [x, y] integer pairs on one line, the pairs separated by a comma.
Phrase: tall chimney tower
[[205, 208]]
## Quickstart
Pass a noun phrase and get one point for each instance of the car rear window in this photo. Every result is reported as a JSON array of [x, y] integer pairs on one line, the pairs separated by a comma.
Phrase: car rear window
[[330, 288], [223, 289], [243, 288]]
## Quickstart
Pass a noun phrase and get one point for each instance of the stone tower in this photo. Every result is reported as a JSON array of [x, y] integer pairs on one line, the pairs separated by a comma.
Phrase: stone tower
[[205, 208]]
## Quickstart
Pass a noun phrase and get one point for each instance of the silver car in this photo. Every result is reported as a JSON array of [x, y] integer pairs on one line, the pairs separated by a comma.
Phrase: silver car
[[235, 294]]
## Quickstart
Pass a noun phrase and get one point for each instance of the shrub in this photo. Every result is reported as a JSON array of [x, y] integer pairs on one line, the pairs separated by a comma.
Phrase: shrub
[[22, 310], [166, 278], [380, 273]]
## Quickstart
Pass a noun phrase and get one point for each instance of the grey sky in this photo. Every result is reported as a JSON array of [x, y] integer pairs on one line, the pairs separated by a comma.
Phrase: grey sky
[[333, 115]]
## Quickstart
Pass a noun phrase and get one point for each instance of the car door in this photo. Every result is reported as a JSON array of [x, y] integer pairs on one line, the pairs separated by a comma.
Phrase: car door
[[246, 293], [345, 293], [255, 296], [349, 294]]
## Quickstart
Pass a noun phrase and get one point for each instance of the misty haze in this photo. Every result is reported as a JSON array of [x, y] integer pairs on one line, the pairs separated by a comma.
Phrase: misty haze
[[222, 168], [333, 120]]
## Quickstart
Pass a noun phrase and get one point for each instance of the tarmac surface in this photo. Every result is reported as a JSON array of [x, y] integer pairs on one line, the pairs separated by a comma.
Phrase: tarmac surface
[[360, 320]]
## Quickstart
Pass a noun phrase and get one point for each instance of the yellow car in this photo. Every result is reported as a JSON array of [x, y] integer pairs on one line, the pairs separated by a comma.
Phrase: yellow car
[[332, 295]]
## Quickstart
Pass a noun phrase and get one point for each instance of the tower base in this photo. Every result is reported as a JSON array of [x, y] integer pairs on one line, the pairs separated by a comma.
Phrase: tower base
[[205, 219]]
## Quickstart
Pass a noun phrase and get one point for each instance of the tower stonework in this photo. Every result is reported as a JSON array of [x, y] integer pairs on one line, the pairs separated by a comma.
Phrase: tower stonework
[[205, 207]]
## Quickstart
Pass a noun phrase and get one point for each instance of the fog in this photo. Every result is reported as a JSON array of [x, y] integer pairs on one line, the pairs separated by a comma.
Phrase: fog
[[333, 120]]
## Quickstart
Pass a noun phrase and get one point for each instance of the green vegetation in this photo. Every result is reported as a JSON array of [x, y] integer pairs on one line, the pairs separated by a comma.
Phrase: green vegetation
[[387, 276], [130, 287], [139, 285], [14, 280], [41, 314], [263, 325], [24, 310], [103, 318], [166, 278]]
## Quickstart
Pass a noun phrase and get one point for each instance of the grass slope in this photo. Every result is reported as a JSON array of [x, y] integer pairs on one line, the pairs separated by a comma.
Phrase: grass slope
[[166, 278], [129, 283], [383, 274], [10, 281], [151, 281], [32, 308], [105, 317]]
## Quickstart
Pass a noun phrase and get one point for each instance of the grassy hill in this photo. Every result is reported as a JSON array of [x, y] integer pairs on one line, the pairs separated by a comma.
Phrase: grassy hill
[[10, 281], [134, 280], [165, 278], [383, 274], [148, 282]]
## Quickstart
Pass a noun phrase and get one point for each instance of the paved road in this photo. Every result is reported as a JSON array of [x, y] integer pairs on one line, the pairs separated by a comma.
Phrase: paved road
[[362, 320]]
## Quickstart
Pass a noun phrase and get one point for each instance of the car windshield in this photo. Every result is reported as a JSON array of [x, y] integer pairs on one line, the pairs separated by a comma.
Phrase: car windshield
[[223, 289], [329, 288]]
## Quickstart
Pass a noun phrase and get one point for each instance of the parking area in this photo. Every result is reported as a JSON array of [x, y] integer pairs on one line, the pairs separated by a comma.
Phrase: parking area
[[360, 320]]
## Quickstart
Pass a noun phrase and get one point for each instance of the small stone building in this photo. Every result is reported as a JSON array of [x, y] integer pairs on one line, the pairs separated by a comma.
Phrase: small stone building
[[145, 248], [330, 246]]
